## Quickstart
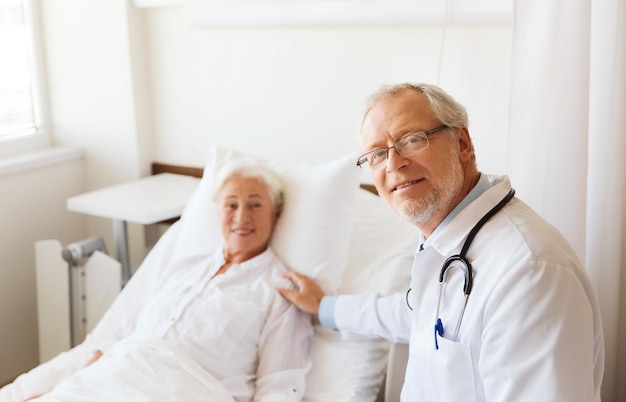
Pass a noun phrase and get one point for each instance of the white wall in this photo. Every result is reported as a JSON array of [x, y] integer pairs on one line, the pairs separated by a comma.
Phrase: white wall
[[129, 86], [96, 96], [295, 93], [32, 208], [86, 51]]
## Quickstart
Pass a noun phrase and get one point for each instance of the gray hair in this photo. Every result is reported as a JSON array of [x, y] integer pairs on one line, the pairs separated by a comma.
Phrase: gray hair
[[444, 107], [253, 169]]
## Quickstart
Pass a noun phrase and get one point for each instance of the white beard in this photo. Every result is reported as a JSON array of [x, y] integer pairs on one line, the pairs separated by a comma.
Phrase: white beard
[[420, 210]]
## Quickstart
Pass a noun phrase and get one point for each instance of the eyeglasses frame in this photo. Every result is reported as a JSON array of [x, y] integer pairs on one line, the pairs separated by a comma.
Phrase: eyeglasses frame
[[427, 134]]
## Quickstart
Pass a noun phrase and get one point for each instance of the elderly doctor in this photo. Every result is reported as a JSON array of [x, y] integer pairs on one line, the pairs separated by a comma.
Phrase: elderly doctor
[[512, 315]]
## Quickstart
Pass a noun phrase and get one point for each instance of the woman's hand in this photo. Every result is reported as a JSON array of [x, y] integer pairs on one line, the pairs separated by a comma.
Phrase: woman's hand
[[96, 356], [93, 359], [307, 296]]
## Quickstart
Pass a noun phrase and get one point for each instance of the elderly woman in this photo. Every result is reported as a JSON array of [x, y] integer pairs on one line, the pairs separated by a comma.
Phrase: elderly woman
[[224, 309]]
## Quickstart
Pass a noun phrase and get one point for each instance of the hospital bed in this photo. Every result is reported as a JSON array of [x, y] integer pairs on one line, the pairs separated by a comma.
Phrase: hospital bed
[[333, 228]]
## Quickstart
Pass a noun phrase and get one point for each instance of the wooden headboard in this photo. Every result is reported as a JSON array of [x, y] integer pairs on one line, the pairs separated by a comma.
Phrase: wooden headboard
[[158, 167]]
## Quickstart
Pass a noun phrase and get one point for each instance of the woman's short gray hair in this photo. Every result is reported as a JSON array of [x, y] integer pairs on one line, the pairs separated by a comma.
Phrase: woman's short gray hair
[[445, 108], [254, 169]]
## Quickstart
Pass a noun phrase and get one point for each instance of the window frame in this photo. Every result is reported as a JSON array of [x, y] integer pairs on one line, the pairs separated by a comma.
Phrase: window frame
[[16, 144]]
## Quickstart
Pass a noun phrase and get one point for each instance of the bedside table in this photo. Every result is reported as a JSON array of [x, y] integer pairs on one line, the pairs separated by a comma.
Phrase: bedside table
[[145, 201]]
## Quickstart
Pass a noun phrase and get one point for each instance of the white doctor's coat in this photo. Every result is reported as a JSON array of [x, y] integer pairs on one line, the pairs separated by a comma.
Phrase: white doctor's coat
[[531, 330]]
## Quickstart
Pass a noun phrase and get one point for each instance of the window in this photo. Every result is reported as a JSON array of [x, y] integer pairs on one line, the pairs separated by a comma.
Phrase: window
[[20, 108]]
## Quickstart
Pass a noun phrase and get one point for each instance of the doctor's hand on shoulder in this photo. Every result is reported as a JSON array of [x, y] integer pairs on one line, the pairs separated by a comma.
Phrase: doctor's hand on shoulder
[[307, 296]]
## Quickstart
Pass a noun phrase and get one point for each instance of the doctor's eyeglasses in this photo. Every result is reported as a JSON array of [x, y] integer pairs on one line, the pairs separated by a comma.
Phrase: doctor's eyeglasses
[[408, 145]]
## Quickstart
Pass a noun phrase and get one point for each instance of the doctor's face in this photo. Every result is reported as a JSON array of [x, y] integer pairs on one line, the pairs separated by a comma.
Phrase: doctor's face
[[247, 216], [424, 187]]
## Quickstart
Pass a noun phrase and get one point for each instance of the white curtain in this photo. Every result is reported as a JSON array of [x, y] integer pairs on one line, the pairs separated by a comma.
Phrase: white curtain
[[567, 140]]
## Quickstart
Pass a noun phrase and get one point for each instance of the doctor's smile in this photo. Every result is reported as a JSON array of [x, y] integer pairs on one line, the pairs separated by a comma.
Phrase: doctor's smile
[[406, 184]]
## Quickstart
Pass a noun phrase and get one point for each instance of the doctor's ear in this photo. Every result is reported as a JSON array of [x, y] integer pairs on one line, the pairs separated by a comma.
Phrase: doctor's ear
[[466, 147]]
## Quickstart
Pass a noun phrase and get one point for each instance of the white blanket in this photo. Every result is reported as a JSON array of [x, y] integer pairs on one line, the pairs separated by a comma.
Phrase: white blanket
[[141, 370]]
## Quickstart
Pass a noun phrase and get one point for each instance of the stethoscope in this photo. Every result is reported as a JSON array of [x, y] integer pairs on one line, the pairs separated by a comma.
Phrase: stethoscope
[[464, 265]]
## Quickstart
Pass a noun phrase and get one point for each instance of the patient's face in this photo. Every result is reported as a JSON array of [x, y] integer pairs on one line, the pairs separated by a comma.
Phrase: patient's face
[[247, 217]]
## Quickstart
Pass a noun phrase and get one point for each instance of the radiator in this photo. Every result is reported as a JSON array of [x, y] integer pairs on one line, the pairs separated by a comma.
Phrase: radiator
[[75, 287]]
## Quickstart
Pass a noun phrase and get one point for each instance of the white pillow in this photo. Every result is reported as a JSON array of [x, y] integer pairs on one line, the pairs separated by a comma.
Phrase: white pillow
[[312, 235], [382, 249], [380, 260]]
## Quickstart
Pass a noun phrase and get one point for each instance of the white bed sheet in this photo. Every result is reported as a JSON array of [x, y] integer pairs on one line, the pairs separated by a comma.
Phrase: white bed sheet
[[141, 370]]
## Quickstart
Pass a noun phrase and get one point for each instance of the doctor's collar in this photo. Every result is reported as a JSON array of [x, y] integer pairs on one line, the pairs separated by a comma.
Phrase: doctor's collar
[[480, 187]]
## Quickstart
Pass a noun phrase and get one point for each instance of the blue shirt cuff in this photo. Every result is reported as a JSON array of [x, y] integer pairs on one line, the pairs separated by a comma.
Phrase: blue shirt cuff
[[327, 312]]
